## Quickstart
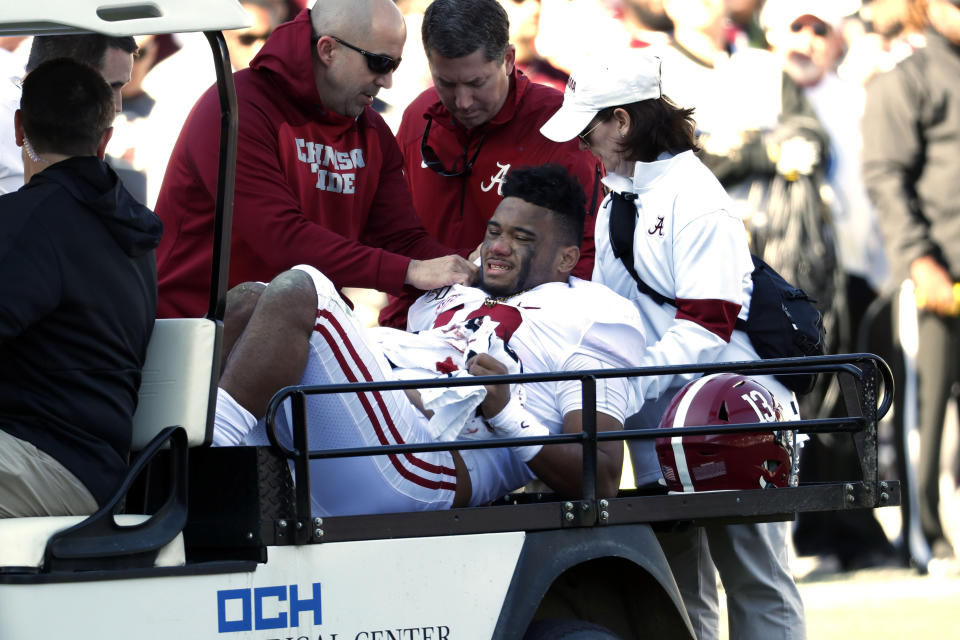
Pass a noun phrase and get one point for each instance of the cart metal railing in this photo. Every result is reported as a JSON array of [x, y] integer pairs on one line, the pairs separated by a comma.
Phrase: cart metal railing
[[865, 380]]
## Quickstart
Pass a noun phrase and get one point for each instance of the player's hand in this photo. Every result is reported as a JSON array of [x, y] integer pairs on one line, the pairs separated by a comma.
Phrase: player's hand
[[440, 272], [413, 395], [933, 287], [497, 394]]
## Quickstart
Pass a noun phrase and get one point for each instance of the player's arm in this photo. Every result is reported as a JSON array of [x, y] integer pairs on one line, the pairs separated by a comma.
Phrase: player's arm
[[560, 466]]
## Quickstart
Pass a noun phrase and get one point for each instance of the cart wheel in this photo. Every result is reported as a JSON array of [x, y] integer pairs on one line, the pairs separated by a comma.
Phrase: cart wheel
[[568, 630]]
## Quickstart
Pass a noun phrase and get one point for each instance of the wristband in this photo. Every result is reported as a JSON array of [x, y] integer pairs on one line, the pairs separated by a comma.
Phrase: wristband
[[514, 421]]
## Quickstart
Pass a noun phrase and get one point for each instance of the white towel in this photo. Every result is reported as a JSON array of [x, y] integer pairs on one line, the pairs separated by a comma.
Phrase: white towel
[[444, 351]]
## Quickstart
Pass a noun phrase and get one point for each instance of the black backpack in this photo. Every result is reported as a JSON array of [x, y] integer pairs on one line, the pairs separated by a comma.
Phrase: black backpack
[[782, 323]]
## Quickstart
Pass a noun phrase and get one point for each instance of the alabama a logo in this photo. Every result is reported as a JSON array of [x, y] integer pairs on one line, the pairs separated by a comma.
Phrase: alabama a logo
[[657, 229], [497, 179]]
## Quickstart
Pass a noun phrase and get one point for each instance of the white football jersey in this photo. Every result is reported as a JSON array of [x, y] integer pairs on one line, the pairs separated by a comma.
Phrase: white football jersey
[[545, 327]]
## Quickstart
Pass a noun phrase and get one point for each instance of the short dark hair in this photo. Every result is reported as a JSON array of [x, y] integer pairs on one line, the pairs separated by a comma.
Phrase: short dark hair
[[552, 187], [656, 126], [457, 28], [276, 8], [90, 48], [66, 106]]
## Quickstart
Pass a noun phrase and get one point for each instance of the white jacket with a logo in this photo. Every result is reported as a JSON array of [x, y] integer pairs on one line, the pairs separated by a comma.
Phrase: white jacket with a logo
[[690, 246]]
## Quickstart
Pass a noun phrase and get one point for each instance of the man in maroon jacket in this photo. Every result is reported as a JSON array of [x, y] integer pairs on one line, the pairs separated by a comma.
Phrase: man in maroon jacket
[[482, 117], [319, 176]]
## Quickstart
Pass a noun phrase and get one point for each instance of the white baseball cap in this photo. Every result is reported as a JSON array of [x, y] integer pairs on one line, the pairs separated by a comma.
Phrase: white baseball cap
[[780, 14], [600, 83]]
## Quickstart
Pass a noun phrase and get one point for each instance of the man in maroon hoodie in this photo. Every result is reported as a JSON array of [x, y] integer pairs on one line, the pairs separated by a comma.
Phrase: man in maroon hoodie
[[482, 118], [319, 176]]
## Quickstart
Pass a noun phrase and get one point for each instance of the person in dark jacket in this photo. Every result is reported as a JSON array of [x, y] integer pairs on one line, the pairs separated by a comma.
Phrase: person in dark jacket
[[911, 158], [78, 293]]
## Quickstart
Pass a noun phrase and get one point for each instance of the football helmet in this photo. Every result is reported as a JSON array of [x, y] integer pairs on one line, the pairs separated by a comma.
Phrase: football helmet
[[726, 460]]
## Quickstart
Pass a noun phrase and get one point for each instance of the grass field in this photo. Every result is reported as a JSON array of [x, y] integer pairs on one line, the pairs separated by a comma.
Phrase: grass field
[[880, 604], [883, 604]]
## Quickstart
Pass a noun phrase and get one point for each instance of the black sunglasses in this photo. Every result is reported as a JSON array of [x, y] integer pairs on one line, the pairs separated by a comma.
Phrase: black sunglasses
[[430, 158], [819, 28], [379, 63]]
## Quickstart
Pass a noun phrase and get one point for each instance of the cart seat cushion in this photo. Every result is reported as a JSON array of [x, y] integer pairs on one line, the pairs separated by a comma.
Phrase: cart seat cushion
[[23, 540], [177, 380]]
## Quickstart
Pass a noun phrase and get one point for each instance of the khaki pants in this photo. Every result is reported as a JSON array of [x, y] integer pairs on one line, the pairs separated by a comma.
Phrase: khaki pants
[[33, 483]]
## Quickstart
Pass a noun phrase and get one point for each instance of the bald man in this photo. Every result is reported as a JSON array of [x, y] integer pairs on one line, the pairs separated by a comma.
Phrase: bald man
[[319, 178]]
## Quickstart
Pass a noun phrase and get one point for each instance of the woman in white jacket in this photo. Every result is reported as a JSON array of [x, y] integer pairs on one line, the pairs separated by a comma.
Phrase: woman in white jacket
[[691, 247]]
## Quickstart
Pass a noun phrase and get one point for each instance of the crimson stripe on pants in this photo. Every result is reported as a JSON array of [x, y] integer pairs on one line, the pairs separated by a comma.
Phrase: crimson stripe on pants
[[375, 423], [426, 466]]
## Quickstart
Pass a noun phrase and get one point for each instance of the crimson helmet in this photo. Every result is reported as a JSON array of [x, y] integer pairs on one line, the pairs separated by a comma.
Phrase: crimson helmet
[[726, 460]]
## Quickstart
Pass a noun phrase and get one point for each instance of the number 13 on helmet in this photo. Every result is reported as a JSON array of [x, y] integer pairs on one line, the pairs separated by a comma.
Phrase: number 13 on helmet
[[731, 460]]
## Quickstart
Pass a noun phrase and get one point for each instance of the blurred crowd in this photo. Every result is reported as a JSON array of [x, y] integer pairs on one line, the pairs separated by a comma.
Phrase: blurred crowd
[[171, 71], [779, 90]]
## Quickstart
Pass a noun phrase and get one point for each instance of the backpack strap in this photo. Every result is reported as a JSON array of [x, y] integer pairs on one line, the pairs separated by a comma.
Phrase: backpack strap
[[623, 223], [758, 265]]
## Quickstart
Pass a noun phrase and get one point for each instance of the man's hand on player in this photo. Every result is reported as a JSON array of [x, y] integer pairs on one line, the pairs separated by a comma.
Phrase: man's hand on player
[[497, 394], [440, 272]]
